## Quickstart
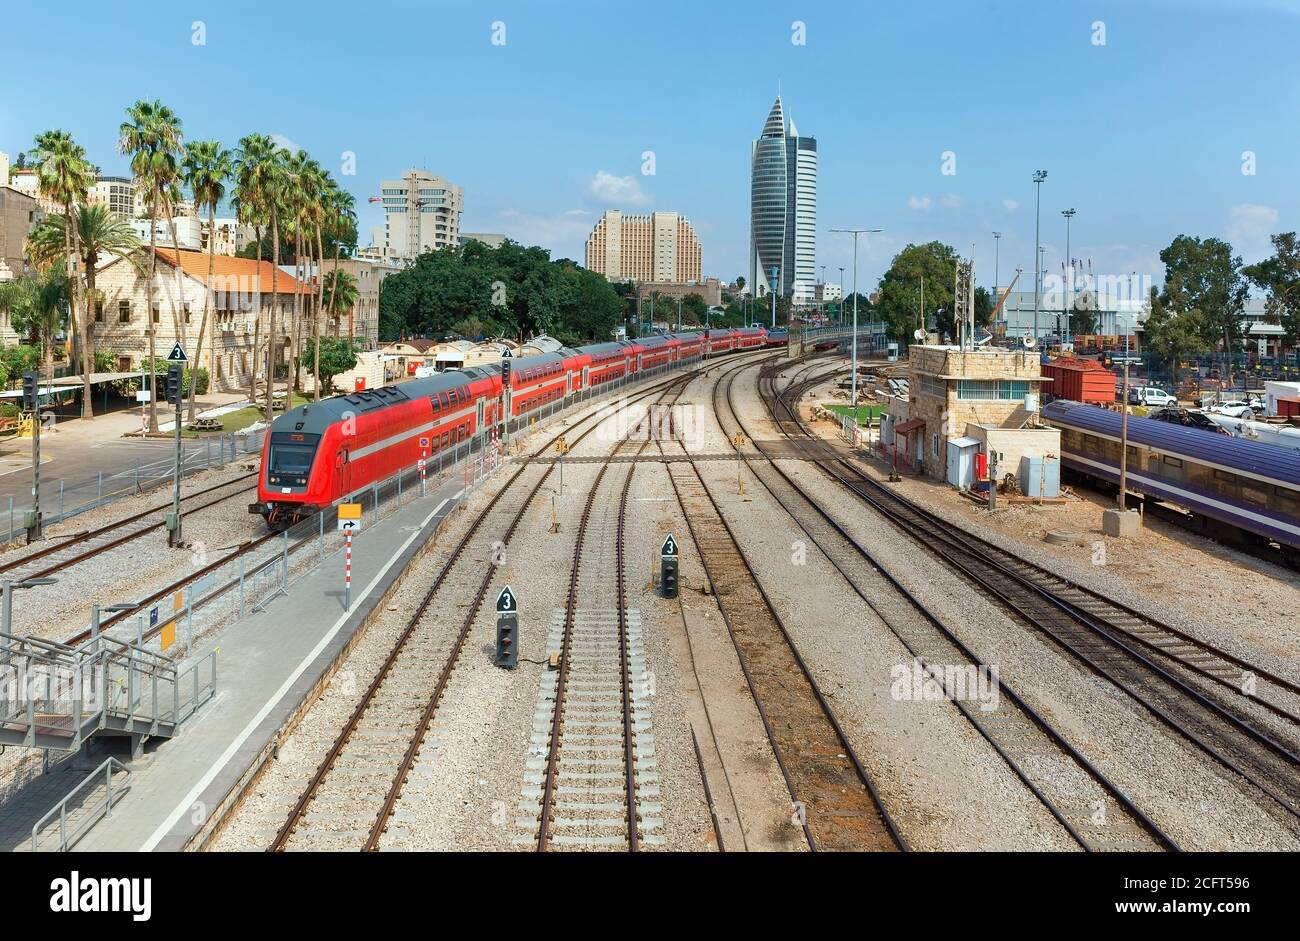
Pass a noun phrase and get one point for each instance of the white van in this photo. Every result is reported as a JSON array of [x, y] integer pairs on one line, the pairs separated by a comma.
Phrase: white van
[[1151, 397]]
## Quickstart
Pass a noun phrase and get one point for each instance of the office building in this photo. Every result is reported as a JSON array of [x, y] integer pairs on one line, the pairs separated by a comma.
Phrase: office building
[[783, 210]]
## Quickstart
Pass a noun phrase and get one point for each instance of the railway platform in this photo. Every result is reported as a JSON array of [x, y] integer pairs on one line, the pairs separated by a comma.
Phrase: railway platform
[[270, 661]]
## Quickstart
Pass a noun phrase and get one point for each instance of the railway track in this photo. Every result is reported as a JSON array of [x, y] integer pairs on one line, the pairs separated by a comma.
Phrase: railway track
[[1098, 815], [77, 547], [349, 800], [1211, 722], [598, 775], [833, 799], [1166, 643]]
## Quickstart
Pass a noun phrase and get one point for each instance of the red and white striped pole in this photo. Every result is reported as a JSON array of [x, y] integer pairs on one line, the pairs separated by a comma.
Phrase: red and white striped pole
[[423, 464], [347, 569]]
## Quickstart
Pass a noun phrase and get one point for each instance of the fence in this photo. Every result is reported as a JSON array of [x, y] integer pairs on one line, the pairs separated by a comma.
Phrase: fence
[[62, 499], [84, 816]]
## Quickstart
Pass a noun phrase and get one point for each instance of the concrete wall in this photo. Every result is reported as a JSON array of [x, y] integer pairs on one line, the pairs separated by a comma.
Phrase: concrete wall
[[1014, 443]]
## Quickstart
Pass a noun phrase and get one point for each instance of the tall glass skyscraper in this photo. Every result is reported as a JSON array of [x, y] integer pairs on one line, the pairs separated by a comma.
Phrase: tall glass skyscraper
[[783, 209]]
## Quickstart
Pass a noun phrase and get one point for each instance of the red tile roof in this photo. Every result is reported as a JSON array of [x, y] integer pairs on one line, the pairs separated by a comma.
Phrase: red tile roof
[[195, 264]]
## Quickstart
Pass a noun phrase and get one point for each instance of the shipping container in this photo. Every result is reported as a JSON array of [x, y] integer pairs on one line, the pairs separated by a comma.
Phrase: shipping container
[[1080, 380]]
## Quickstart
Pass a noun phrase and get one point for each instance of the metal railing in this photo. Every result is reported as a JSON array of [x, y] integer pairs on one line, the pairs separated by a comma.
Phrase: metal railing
[[91, 815]]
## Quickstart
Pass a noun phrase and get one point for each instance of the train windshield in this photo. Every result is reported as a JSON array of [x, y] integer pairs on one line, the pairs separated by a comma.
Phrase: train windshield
[[292, 454]]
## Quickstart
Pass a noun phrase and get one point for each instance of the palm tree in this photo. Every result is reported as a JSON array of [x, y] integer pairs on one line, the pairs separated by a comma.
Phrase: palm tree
[[207, 167], [340, 291], [152, 136], [342, 216], [35, 304], [259, 170], [317, 186], [97, 231], [64, 175]]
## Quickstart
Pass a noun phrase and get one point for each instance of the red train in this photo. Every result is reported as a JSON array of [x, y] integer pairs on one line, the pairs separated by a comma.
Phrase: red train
[[317, 453]]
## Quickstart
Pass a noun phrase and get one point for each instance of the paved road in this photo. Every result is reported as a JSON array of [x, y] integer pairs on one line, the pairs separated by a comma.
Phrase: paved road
[[77, 455]]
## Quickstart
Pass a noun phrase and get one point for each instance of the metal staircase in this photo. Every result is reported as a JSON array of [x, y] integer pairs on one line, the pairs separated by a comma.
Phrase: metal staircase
[[56, 696]]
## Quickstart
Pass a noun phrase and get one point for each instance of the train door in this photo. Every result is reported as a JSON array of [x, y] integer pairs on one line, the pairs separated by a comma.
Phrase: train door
[[586, 377], [343, 471], [480, 414]]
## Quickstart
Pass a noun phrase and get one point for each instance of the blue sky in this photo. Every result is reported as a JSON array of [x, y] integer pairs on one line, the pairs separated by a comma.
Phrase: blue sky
[[1143, 135]]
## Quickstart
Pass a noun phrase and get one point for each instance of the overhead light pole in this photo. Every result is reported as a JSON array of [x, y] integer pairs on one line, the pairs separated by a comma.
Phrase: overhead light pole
[[853, 393], [1069, 268], [997, 256], [841, 304], [1039, 177]]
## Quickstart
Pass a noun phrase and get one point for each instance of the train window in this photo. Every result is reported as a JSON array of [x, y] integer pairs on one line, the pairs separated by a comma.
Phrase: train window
[[1172, 461], [1225, 477], [1254, 494], [1092, 442], [1288, 499], [446, 438]]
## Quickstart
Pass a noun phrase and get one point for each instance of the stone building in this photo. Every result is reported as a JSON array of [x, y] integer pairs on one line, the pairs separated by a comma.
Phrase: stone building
[[241, 303], [951, 388]]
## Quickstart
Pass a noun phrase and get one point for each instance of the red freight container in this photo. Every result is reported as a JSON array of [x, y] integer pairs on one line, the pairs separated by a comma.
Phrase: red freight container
[[1080, 380], [1288, 407]]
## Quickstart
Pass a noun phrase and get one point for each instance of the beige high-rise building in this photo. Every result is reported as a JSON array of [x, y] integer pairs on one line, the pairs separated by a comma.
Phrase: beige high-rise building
[[658, 246], [421, 213]]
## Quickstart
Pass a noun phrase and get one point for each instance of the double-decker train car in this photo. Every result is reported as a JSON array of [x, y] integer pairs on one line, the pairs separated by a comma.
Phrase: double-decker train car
[[1239, 491], [320, 452], [778, 337]]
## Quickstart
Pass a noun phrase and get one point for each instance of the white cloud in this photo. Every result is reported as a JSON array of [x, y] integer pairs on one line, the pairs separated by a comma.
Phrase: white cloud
[[618, 190], [565, 233], [919, 203], [950, 200], [281, 141], [1010, 205], [1249, 227]]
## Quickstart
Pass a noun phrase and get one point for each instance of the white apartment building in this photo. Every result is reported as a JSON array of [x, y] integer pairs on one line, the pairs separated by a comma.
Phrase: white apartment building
[[658, 246], [421, 213]]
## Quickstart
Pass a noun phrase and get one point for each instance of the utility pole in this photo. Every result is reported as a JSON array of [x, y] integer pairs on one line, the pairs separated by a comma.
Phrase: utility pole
[[853, 394], [997, 257], [1039, 177], [841, 305], [774, 283], [175, 396], [32, 393]]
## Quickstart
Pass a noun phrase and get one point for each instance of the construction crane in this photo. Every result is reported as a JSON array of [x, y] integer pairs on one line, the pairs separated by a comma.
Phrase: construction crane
[[1003, 299]]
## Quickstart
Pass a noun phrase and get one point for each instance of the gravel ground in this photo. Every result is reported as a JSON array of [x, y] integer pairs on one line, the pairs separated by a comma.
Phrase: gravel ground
[[1201, 805], [941, 781]]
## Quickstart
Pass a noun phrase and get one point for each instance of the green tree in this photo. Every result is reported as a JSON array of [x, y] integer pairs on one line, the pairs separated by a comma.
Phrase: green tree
[[207, 167], [65, 176], [1172, 330], [340, 290], [1204, 275], [260, 184], [341, 223], [151, 135], [900, 299], [97, 232], [332, 356], [1279, 276], [37, 308]]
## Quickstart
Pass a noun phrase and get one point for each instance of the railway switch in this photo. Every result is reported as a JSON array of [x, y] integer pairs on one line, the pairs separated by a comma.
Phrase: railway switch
[[507, 653], [668, 567]]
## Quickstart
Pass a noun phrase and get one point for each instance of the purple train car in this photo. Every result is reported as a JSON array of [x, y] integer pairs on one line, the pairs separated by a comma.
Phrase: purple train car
[[1239, 491]]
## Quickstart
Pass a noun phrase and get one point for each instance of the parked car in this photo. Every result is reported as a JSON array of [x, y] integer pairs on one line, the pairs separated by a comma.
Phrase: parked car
[[1187, 418], [1235, 408], [1151, 397]]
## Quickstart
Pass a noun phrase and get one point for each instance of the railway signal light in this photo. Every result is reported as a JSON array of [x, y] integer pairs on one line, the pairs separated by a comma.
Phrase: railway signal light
[[668, 567], [29, 391], [507, 652], [173, 387]]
